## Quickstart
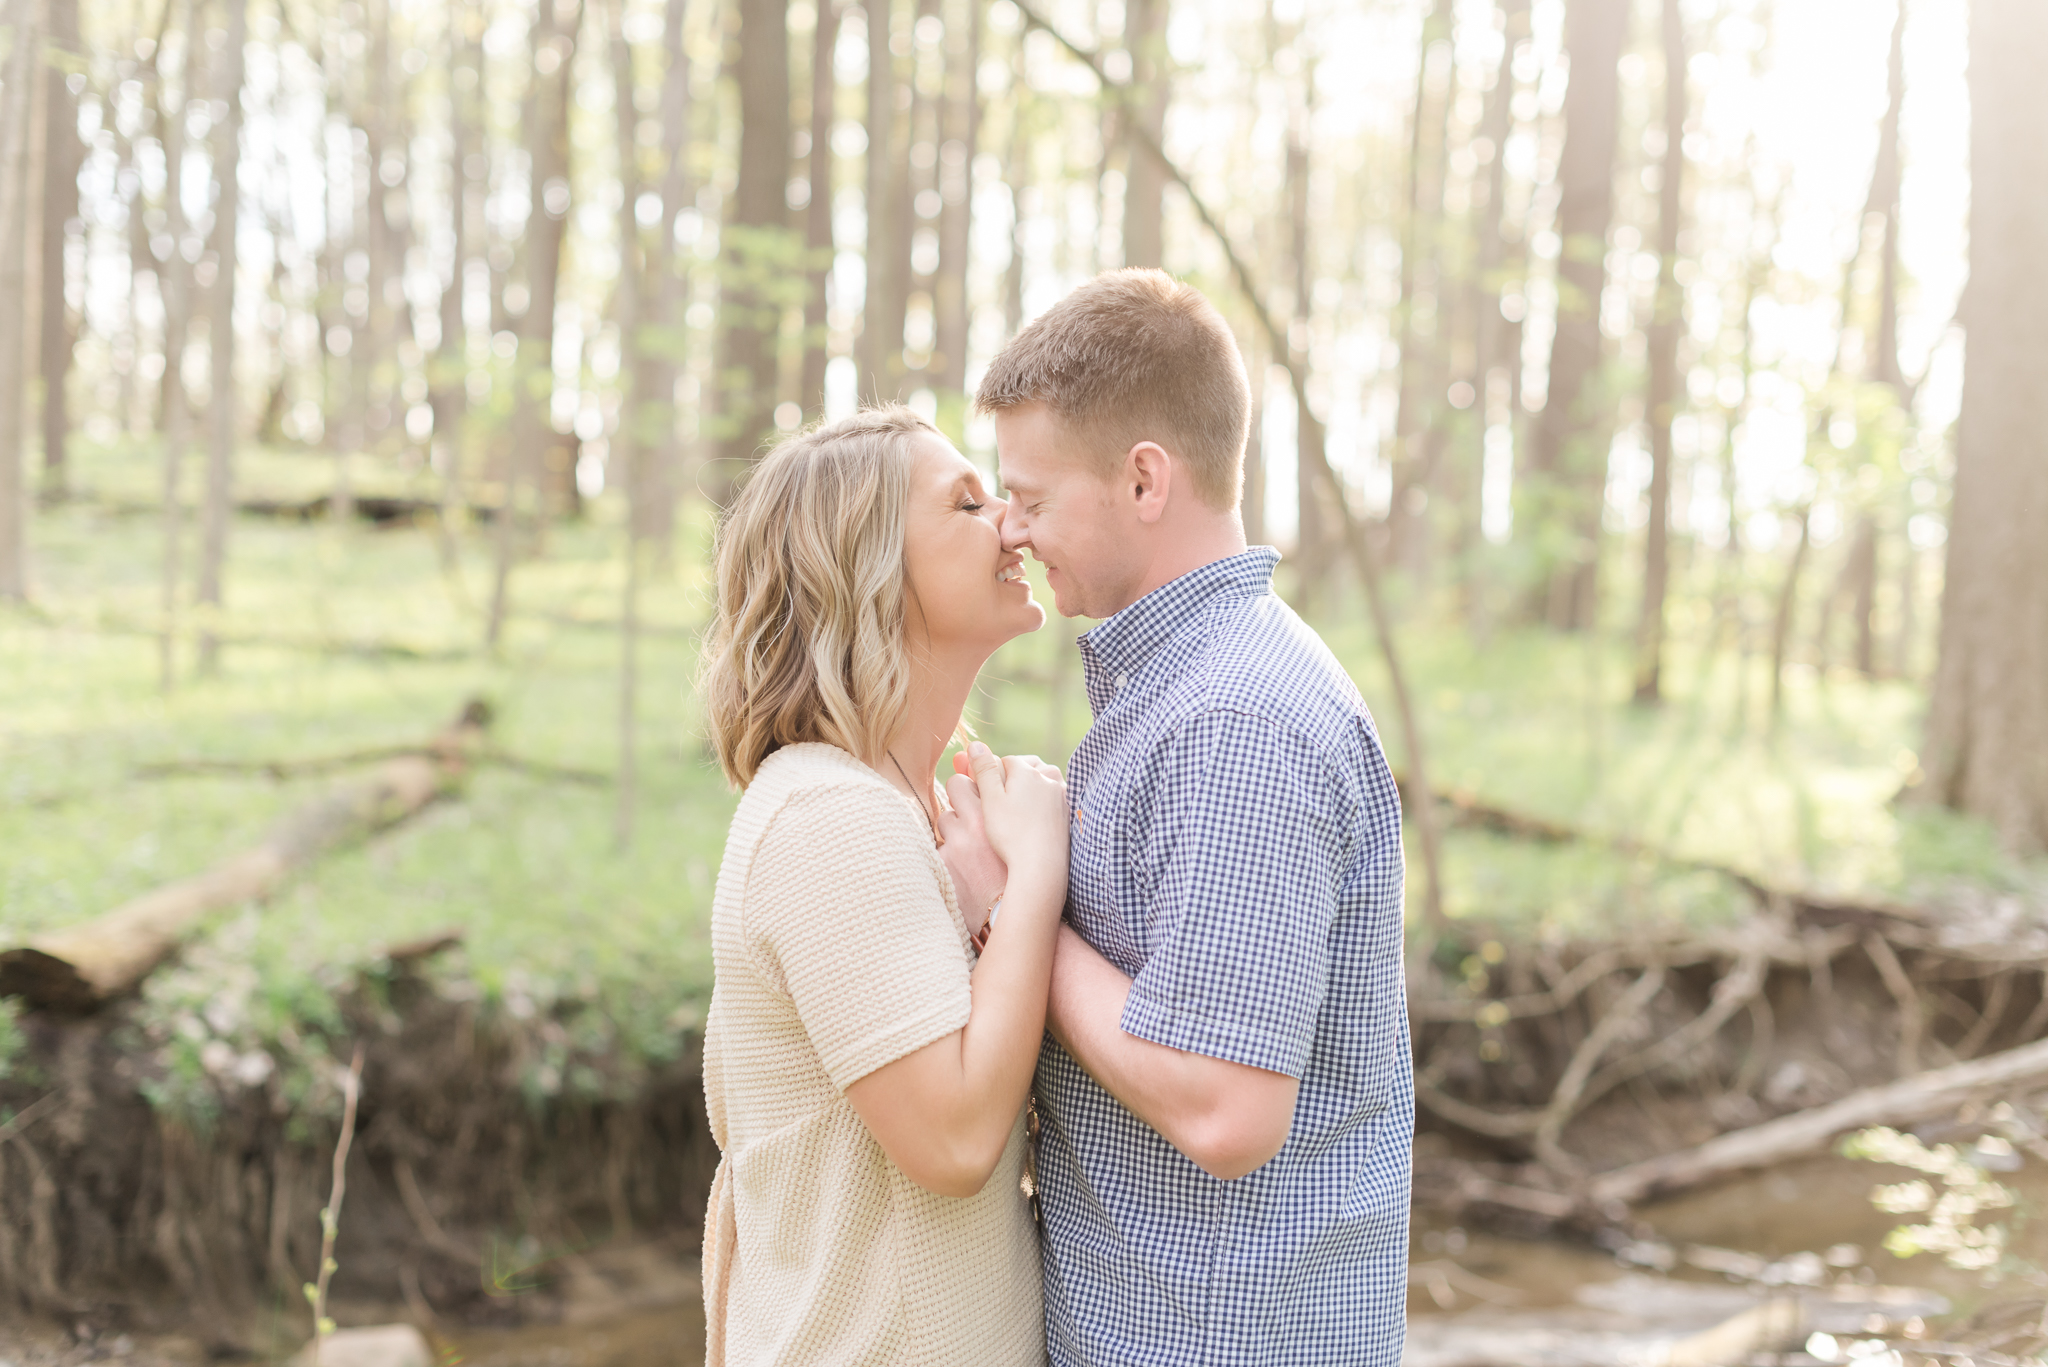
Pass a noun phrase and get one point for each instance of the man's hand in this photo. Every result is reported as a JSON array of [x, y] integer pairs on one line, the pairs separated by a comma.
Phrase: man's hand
[[979, 873]]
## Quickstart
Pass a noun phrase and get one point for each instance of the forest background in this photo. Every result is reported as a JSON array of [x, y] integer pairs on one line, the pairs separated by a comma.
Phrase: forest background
[[1646, 400]]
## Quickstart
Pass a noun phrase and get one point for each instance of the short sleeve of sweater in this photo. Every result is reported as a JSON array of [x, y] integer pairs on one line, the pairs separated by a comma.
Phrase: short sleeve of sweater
[[845, 915]]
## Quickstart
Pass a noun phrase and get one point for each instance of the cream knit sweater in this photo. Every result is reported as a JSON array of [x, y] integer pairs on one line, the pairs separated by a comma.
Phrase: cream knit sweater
[[838, 947]]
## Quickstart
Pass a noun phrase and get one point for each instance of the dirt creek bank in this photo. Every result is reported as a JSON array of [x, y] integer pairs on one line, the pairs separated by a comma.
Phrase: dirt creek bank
[[468, 1193], [557, 1225]]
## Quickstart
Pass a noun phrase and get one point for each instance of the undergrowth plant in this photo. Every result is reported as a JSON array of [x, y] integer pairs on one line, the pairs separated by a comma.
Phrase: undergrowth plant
[[11, 1039]]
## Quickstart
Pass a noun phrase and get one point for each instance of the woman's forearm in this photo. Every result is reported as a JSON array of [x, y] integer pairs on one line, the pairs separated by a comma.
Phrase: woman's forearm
[[944, 1113], [999, 1048]]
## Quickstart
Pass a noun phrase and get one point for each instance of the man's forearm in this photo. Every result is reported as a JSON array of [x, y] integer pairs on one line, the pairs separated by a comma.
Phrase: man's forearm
[[1225, 1117]]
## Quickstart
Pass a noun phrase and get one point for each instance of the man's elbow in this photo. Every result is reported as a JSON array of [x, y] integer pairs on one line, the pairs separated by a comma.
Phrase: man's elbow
[[1227, 1145]]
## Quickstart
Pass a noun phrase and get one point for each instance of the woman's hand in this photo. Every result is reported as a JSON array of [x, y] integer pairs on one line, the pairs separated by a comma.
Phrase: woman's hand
[[978, 871], [1024, 809]]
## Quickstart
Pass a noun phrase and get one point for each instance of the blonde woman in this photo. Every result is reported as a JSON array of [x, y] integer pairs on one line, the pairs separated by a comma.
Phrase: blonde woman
[[866, 1071]]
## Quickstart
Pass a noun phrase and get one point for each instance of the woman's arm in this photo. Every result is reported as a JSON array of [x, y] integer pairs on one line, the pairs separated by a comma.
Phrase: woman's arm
[[944, 1112]]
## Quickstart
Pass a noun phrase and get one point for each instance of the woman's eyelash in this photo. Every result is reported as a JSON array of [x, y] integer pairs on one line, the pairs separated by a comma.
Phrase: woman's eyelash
[[970, 506]]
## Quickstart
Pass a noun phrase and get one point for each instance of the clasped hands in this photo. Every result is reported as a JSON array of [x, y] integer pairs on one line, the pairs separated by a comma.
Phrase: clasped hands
[[997, 810]]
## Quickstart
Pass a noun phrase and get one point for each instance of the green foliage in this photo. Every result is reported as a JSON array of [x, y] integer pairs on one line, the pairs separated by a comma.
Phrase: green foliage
[[1966, 1190], [12, 1042]]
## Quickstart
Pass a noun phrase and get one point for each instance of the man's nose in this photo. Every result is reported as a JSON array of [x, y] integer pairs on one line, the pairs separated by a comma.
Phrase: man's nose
[[1016, 532]]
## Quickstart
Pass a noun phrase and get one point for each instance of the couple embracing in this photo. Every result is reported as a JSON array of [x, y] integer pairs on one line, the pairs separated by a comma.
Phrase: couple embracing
[[1106, 1069]]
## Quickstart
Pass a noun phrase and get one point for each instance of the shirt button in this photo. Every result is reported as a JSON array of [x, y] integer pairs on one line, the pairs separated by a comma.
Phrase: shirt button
[[1121, 680]]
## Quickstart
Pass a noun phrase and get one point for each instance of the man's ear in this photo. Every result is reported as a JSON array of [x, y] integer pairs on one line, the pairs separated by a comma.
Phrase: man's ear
[[1148, 468]]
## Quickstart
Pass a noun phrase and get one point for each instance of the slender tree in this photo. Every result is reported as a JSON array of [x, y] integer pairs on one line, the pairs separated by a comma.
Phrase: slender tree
[[1986, 750], [1568, 455], [625, 446], [1495, 340], [663, 346], [1861, 567], [63, 155], [1145, 182], [174, 406], [960, 139], [818, 245], [14, 101], [1667, 324], [220, 451], [879, 349], [1421, 381], [554, 47], [756, 244], [1314, 549], [447, 391]]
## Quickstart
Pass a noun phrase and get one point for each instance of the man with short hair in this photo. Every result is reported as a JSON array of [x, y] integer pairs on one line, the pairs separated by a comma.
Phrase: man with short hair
[[1226, 1099]]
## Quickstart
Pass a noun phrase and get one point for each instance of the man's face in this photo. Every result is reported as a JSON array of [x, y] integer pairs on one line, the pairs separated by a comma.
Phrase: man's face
[[1081, 526]]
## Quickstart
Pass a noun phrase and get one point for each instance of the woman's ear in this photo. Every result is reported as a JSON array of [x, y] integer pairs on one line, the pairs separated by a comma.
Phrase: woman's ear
[[1149, 469]]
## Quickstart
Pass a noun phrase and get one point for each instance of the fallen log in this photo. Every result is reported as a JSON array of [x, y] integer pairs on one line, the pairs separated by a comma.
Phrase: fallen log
[[1807, 906], [1909, 1101], [81, 967]]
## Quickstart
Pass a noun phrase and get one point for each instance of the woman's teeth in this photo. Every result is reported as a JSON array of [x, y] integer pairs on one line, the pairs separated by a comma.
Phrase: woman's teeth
[[1012, 575]]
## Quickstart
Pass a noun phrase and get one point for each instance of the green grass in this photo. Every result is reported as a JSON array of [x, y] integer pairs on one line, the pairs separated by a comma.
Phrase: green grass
[[551, 908]]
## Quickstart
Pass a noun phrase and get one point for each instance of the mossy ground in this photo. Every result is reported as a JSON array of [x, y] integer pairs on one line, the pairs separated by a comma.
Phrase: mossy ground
[[552, 907]]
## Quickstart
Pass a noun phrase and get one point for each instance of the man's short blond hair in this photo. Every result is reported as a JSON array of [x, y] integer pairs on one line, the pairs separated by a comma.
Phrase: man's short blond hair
[[1132, 356]]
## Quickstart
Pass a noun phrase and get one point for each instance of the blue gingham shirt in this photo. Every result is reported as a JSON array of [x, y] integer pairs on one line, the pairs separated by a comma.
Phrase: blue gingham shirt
[[1237, 852]]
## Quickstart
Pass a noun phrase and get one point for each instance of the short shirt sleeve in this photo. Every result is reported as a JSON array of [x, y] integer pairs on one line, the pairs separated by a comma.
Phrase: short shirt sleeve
[[1245, 853], [846, 916]]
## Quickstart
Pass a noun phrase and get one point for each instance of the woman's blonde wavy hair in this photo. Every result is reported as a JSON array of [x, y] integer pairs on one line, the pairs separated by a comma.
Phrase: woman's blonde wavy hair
[[808, 640]]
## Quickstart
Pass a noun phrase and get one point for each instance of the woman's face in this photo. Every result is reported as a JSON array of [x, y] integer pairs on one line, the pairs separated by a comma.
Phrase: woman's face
[[966, 592]]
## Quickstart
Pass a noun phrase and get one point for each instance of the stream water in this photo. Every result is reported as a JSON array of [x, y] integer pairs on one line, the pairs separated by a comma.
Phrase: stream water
[[1750, 1271], [1765, 1262]]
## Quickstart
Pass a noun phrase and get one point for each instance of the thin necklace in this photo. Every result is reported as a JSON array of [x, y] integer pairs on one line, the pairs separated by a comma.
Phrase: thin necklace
[[938, 841]]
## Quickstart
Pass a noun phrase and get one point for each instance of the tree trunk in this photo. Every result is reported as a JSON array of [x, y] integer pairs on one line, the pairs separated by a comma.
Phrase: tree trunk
[[879, 350], [960, 140], [1312, 551], [1420, 382], [14, 100], [63, 155], [626, 450], [1987, 728], [818, 247], [756, 244], [448, 394], [534, 366], [663, 352], [1494, 339], [1145, 182], [1884, 198], [1667, 324], [220, 454], [1252, 508], [1017, 177], [1788, 604], [1861, 572], [175, 409], [1568, 458], [921, 140]]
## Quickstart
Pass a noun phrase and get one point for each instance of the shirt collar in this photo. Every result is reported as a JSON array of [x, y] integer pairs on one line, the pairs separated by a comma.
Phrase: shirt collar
[[1122, 642]]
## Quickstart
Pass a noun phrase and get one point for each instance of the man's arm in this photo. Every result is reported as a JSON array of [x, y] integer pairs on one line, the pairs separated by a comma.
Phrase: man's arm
[[1226, 1118]]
